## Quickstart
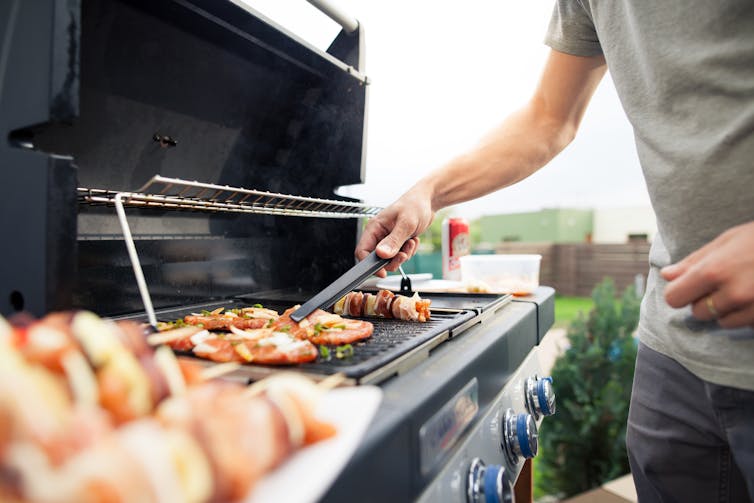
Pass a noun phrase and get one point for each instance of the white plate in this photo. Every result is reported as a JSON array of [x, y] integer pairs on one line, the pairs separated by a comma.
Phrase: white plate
[[308, 474]]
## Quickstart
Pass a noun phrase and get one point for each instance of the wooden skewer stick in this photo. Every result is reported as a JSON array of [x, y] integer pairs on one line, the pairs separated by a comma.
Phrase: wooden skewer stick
[[172, 335], [218, 370], [332, 381]]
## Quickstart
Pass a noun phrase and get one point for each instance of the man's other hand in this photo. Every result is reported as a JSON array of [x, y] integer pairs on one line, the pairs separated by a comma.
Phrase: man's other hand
[[717, 279]]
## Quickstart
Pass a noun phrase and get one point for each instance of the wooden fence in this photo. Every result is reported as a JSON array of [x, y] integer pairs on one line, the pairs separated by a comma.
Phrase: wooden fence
[[575, 269]]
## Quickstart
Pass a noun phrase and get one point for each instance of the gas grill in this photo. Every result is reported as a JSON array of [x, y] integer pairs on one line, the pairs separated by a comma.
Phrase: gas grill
[[169, 156]]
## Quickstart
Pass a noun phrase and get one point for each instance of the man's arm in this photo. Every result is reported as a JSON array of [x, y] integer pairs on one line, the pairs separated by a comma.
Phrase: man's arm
[[523, 143]]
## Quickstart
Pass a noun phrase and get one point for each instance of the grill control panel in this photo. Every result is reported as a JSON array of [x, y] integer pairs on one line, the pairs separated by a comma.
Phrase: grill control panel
[[490, 457]]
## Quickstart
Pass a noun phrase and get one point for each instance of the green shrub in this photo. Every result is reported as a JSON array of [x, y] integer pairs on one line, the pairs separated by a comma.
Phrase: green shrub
[[583, 444]]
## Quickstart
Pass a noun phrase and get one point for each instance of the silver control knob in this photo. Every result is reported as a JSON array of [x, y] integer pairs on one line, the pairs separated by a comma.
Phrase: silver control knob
[[519, 436], [539, 396], [488, 484]]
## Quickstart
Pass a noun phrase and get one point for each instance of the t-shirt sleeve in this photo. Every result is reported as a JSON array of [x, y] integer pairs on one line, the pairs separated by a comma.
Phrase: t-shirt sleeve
[[571, 30]]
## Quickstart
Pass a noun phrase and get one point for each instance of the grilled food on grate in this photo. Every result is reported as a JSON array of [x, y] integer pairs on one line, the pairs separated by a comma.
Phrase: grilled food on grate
[[281, 341], [384, 304]]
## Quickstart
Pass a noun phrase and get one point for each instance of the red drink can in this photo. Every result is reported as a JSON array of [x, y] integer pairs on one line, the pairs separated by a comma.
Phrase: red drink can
[[455, 244]]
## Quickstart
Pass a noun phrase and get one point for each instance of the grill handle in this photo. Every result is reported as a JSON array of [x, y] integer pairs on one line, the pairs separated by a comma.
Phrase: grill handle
[[347, 282], [348, 23]]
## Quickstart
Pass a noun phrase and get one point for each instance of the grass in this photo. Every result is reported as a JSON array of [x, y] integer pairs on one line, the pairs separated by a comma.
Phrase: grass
[[568, 308]]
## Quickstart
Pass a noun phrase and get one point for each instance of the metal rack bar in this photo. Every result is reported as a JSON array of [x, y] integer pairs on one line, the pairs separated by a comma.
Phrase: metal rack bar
[[135, 263], [177, 194]]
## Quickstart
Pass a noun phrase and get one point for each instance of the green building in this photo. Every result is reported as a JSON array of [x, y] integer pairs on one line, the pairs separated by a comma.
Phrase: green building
[[548, 225]]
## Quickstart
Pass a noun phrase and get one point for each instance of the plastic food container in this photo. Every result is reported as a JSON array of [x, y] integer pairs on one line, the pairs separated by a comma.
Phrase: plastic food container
[[516, 274]]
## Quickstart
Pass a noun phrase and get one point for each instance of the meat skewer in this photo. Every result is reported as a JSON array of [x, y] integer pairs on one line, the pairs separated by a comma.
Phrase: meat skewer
[[385, 304], [61, 448]]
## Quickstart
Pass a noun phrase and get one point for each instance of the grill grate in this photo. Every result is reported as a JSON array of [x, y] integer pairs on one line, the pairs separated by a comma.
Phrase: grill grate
[[385, 353]]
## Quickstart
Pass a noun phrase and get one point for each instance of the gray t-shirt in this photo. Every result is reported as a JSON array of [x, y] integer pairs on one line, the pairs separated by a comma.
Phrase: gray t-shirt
[[684, 72]]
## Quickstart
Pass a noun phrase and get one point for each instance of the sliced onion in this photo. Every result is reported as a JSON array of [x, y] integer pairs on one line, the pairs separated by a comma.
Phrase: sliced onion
[[205, 348], [243, 352], [171, 370], [202, 336], [81, 379], [291, 415]]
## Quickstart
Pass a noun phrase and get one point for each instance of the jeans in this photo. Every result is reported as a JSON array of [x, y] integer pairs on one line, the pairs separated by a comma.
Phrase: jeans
[[688, 440]]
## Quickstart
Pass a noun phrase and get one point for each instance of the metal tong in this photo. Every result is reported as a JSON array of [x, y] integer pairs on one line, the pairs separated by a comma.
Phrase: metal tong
[[347, 282]]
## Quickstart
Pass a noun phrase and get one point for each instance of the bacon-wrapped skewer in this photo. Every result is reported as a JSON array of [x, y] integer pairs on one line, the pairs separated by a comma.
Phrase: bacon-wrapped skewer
[[61, 448], [101, 363], [385, 304]]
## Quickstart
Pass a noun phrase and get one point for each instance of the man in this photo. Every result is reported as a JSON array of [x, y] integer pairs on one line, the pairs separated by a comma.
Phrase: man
[[684, 71]]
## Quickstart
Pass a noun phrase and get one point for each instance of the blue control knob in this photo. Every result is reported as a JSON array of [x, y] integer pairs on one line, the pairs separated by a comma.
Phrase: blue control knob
[[488, 484], [519, 436], [539, 396]]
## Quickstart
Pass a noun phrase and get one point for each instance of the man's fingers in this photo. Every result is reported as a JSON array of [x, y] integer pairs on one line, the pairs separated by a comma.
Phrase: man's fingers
[[399, 259], [673, 271], [410, 247], [695, 283], [709, 307], [741, 318], [405, 228]]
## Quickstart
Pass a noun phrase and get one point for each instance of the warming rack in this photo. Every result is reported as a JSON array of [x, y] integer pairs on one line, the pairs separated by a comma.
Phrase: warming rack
[[176, 194]]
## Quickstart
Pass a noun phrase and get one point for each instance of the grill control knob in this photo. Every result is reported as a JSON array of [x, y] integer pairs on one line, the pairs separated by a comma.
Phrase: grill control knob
[[539, 396], [519, 436], [488, 484]]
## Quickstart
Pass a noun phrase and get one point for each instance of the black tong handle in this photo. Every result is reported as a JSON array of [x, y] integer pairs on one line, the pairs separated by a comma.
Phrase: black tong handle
[[350, 279]]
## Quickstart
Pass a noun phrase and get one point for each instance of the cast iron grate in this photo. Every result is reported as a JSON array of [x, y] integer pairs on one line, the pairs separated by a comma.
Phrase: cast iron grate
[[390, 341]]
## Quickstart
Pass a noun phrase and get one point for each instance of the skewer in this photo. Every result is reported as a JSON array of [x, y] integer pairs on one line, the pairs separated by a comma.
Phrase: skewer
[[172, 335], [254, 389], [332, 381], [218, 370], [171, 370]]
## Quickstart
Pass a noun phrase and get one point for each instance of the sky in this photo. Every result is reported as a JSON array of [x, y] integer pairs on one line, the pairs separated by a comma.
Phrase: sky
[[445, 73]]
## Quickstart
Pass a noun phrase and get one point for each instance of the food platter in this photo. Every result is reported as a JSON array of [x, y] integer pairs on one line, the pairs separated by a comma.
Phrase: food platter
[[307, 475]]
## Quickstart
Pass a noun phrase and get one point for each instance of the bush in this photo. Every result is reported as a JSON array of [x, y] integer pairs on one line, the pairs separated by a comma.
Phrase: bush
[[583, 445]]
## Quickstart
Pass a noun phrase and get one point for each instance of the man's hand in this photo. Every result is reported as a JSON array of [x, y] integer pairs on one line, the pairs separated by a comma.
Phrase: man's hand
[[717, 279], [393, 232]]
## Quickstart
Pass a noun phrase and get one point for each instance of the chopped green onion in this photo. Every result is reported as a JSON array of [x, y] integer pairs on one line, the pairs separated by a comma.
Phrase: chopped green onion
[[325, 352], [344, 351], [257, 305]]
